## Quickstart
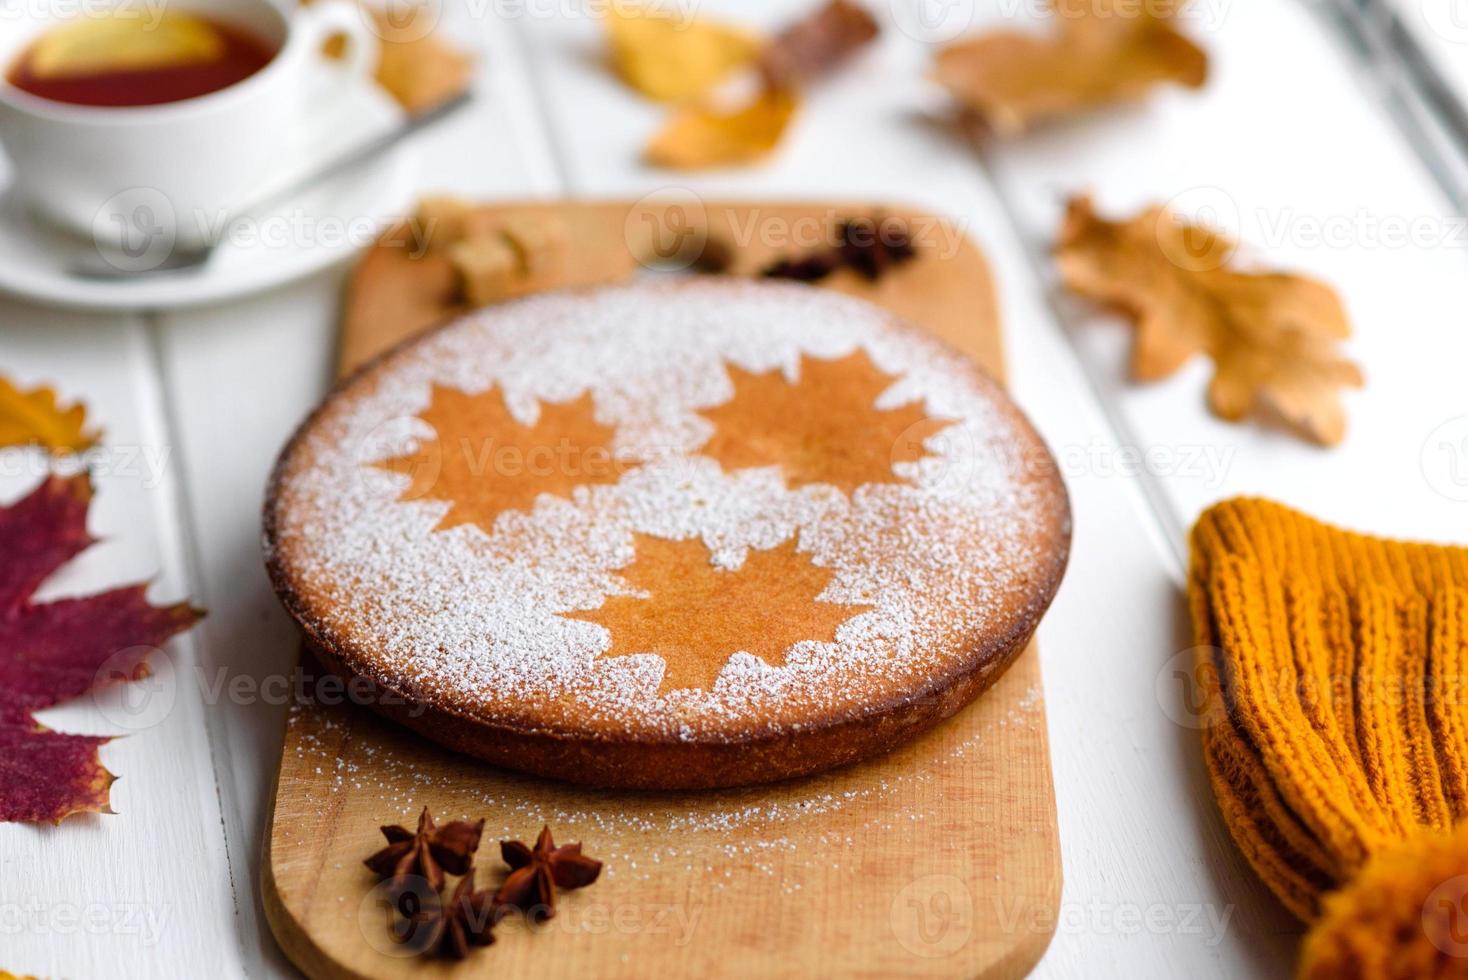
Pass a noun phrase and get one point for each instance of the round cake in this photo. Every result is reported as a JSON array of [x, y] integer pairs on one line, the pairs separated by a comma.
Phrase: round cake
[[669, 535]]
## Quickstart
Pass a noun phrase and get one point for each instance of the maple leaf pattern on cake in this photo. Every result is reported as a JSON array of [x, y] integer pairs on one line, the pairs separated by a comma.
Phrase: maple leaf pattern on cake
[[698, 615], [823, 428], [484, 461]]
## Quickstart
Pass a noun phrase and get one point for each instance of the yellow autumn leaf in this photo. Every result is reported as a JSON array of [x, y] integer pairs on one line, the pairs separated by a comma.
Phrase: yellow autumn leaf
[[674, 59], [34, 418], [125, 42], [703, 135]]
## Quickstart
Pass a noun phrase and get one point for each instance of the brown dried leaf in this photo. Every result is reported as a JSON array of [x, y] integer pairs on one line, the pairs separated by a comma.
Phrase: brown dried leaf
[[1272, 337], [702, 135], [1102, 53], [812, 47]]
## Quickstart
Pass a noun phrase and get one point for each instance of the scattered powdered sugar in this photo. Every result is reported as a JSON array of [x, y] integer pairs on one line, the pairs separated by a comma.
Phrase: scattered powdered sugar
[[775, 831], [462, 617]]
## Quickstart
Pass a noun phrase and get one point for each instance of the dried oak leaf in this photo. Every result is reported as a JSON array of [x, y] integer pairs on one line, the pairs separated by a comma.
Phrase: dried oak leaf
[[537, 872], [55, 651], [35, 418], [697, 615], [427, 852], [1101, 53], [674, 58], [1272, 337]]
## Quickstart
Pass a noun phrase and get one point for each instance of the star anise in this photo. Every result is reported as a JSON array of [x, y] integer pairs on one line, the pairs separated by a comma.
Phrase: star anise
[[867, 246], [872, 246], [537, 872], [426, 853], [715, 257], [809, 268], [465, 920]]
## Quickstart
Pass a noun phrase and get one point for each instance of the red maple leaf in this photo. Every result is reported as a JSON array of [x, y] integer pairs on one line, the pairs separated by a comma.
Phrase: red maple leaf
[[55, 651]]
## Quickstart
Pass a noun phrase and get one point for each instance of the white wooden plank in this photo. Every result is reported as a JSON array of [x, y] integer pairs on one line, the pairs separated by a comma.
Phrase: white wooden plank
[[238, 378], [1140, 834], [117, 895]]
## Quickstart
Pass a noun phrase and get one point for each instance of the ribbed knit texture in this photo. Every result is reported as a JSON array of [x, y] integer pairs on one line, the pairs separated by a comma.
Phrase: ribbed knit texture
[[1340, 760]]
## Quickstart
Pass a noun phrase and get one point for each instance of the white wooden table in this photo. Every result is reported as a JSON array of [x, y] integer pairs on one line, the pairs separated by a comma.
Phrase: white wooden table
[[1285, 142]]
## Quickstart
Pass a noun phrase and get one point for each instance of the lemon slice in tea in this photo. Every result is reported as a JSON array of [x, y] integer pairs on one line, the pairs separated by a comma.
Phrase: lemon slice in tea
[[121, 43]]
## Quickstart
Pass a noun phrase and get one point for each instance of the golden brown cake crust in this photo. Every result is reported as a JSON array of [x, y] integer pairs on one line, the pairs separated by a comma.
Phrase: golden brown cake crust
[[669, 536]]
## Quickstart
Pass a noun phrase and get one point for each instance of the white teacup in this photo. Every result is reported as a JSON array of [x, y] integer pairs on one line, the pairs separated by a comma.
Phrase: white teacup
[[171, 169]]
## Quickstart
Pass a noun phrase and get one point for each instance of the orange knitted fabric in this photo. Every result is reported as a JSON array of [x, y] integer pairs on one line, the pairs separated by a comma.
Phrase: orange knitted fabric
[[1340, 760]]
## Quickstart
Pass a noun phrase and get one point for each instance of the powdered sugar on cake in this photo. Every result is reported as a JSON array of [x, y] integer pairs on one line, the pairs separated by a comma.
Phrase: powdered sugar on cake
[[472, 619]]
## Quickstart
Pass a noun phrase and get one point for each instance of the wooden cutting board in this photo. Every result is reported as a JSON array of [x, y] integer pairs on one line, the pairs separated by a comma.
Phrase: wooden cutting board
[[940, 859]]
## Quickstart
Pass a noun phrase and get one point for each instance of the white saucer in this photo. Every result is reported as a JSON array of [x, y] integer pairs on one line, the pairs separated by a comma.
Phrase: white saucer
[[310, 232]]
